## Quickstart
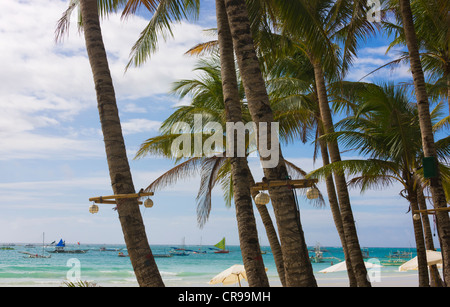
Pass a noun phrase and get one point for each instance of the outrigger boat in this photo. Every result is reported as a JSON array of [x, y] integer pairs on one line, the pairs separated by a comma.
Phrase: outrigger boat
[[31, 255], [59, 249], [180, 251], [221, 247], [397, 258], [318, 257]]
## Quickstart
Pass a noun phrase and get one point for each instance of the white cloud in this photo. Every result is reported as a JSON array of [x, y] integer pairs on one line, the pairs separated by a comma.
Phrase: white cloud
[[48, 87], [137, 125], [371, 58]]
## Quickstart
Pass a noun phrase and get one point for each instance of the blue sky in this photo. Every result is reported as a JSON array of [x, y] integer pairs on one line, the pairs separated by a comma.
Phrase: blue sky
[[52, 158]]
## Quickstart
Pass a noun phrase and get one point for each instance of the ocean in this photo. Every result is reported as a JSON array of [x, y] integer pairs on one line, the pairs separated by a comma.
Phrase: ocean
[[106, 268]]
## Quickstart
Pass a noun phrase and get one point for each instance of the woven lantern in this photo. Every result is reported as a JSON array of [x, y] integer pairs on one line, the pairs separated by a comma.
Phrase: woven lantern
[[93, 209], [148, 203], [312, 193], [262, 198]]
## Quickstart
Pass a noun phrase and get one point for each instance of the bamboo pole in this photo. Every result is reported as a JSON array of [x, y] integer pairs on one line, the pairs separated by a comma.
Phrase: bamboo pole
[[106, 199], [432, 211], [297, 183]]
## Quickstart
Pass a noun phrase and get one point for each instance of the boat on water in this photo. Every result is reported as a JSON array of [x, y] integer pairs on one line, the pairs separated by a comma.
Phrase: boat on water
[[60, 249], [162, 255], [397, 258], [317, 256], [104, 249], [123, 255], [31, 255], [221, 247], [180, 251]]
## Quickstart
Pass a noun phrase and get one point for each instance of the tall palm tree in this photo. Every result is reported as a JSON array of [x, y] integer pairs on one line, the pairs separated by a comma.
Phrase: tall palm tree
[[431, 25], [207, 99], [206, 95], [298, 268], [248, 235], [386, 128], [321, 28], [165, 14], [292, 81], [428, 143], [141, 257]]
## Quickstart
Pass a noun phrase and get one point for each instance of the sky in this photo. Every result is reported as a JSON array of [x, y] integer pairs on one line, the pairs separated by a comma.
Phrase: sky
[[52, 156]]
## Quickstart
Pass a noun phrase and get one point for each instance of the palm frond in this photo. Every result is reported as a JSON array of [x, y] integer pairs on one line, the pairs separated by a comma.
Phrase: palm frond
[[165, 14], [209, 174], [181, 171], [204, 48]]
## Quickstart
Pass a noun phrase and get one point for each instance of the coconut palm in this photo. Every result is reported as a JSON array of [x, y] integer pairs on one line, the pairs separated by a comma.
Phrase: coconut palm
[[428, 143], [248, 235], [295, 254], [291, 83], [328, 33], [144, 265], [386, 129], [432, 32], [165, 14], [205, 93]]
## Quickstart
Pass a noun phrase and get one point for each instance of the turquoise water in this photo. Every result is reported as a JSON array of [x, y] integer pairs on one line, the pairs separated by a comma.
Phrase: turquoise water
[[107, 269]]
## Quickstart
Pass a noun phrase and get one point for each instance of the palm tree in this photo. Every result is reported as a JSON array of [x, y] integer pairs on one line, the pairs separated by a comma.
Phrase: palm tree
[[386, 128], [209, 100], [432, 32], [206, 95], [141, 257], [319, 30], [291, 82], [428, 143], [248, 235], [165, 13], [298, 268]]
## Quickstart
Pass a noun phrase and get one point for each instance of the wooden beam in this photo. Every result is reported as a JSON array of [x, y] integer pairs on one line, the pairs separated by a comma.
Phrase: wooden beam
[[106, 199], [297, 184], [432, 211], [112, 202]]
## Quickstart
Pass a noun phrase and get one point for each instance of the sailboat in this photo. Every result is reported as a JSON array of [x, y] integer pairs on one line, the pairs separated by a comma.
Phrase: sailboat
[[221, 246], [177, 251], [59, 249], [30, 255]]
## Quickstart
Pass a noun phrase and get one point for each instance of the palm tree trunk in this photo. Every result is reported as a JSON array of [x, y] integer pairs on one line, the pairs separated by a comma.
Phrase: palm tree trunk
[[424, 280], [298, 268], [435, 278], [248, 235], [427, 133], [335, 211], [448, 92], [141, 257], [271, 235], [351, 237]]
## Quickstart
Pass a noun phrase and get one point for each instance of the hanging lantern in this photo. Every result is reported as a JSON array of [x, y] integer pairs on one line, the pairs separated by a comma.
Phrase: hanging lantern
[[93, 209], [312, 193], [148, 203], [262, 198]]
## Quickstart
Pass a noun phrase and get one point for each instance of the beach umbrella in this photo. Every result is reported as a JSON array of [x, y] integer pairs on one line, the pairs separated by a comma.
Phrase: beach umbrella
[[341, 266], [232, 275], [433, 258]]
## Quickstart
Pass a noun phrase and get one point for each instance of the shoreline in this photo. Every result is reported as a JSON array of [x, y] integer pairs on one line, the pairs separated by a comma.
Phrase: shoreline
[[329, 280]]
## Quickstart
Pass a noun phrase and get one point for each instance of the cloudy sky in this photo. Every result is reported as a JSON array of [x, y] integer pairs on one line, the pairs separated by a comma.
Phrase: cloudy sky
[[52, 157]]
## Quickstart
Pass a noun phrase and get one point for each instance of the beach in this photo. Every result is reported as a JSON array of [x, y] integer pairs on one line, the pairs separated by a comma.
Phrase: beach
[[102, 265]]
